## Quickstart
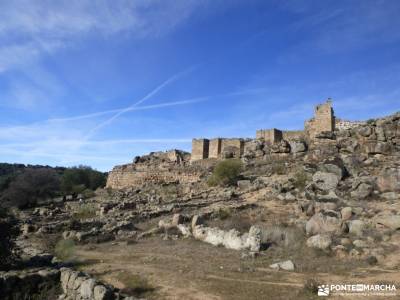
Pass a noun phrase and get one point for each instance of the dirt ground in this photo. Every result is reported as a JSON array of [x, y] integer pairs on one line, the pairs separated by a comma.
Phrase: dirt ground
[[189, 269]]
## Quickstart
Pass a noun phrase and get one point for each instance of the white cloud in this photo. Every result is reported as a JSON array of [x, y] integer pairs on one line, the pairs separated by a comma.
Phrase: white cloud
[[30, 28]]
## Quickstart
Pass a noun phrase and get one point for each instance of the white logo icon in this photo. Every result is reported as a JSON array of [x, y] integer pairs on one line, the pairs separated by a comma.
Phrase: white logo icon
[[323, 290]]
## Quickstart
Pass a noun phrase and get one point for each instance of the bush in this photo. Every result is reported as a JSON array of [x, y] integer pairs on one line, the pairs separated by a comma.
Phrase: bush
[[134, 284], [226, 172], [30, 186], [300, 180], [65, 250], [8, 232], [85, 211]]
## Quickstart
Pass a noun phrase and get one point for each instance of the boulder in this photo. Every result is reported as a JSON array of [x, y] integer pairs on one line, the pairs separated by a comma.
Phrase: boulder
[[287, 265], [362, 191], [357, 227], [389, 180], [319, 241], [391, 221], [346, 213], [321, 223], [325, 181], [333, 165], [100, 292], [297, 146]]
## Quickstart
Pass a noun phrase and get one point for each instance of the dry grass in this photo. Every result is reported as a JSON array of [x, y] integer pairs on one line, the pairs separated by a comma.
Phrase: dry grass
[[134, 284]]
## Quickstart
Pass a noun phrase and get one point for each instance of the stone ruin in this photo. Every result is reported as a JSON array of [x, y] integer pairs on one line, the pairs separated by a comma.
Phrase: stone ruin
[[324, 121]]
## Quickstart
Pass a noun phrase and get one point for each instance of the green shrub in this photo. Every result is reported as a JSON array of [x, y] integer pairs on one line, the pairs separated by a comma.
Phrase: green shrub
[[8, 233], [226, 172], [84, 211], [300, 180], [65, 249], [223, 213]]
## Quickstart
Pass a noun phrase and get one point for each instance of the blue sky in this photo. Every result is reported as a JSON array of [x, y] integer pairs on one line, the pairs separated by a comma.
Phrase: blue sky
[[99, 82]]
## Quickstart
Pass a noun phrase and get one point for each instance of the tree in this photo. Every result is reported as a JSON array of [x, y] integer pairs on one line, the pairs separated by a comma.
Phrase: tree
[[8, 231], [31, 185], [75, 180]]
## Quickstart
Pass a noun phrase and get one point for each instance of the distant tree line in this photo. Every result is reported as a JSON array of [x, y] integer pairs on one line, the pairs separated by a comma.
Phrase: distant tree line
[[22, 186]]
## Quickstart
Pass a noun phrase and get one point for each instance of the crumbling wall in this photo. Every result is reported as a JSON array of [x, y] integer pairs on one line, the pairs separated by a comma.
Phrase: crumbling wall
[[157, 168], [127, 176], [200, 149], [290, 135], [272, 136]]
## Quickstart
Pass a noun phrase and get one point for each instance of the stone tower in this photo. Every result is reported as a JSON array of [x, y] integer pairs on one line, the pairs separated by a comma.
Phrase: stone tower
[[324, 119]]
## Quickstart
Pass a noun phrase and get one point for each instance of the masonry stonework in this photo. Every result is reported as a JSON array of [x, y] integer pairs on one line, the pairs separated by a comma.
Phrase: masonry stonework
[[323, 121], [269, 135], [215, 148], [200, 149]]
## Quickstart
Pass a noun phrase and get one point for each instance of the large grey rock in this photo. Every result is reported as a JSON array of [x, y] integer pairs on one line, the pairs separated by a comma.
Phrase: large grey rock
[[357, 227], [87, 287], [321, 223], [231, 239], [297, 146], [287, 265], [362, 191], [389, 180], [364, 131], [391, 221], [100, 292], [320, 241], [325, 181], [333, 165], [346, 213]]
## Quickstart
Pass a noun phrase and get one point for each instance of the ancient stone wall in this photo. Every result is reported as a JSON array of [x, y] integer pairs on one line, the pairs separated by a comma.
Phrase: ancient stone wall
[[215, 148], [128, 176], [269, 135], [236, 145], [291, 135], [200, 149]]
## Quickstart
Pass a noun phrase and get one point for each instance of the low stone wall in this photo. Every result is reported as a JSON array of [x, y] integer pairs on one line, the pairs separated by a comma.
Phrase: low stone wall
[[124, 177]]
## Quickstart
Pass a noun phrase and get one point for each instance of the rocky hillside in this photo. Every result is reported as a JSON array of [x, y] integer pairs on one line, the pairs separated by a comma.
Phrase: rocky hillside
[[325, 209]]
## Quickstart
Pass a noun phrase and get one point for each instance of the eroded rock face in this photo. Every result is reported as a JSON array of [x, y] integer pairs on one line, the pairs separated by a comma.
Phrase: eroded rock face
[[389, 180], [321, 223], [391, 221], [325, 181], [320, 241]]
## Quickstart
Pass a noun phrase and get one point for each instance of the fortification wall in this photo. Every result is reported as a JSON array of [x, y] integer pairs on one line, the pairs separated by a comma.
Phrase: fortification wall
[[215, 148], [290, 135], [200, 148], [230, 144], [269, 135]]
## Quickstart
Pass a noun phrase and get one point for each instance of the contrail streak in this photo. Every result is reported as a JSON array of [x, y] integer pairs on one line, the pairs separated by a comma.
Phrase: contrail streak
[[148, 96]]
